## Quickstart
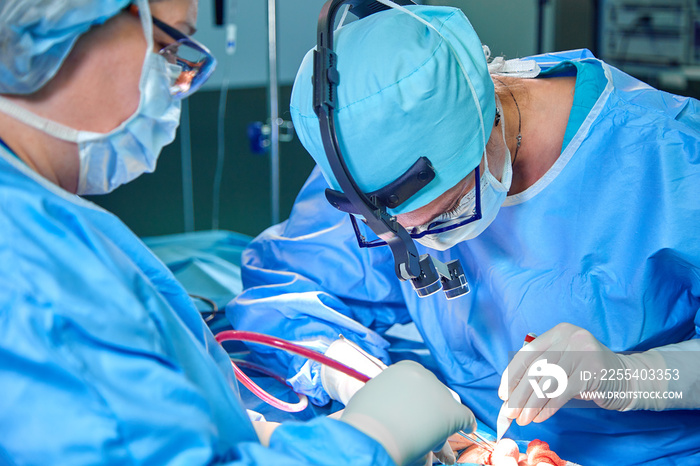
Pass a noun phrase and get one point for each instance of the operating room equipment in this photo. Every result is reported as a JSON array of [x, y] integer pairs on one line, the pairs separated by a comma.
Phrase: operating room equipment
[[478, 440], [254, 337], [225, 11], [259, 133], [427, 274], [261, 393], [502, 422], [265, 137], [186, 167], [273, 101], [237, 335], [649, 36], [213, 308], [268, 340]]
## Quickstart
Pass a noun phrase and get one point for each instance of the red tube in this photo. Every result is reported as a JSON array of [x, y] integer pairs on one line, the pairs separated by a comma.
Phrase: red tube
[[253, 337], [266, 397], [263, 370]]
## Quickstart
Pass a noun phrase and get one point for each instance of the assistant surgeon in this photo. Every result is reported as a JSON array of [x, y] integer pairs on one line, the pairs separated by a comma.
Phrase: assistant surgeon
[[103, 357], [588, 237]]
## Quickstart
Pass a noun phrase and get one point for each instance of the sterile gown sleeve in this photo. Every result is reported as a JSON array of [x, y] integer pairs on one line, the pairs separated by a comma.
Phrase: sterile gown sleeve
[[105, 360], [308, 281]]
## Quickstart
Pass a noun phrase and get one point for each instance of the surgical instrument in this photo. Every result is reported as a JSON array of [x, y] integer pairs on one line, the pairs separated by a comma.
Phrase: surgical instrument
[[478, 440], [502, 422]]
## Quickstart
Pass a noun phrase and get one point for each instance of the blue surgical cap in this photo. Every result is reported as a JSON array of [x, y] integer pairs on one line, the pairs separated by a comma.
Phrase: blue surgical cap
[[403, 95], [36, 36]]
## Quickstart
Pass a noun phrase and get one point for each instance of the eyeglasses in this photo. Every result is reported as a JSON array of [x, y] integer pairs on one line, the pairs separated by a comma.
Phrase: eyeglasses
[[433, 228], [194, 59]]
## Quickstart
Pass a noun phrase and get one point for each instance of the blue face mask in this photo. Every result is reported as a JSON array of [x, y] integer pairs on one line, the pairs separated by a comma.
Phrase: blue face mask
[[108, 160]]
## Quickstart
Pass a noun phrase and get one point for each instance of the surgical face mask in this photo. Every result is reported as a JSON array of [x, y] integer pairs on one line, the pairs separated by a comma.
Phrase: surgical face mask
[[493, 193], [108, 160]]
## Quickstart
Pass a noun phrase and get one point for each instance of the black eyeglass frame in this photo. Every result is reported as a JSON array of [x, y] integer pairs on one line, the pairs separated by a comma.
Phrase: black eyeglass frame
[[203, 72], [433, 228]]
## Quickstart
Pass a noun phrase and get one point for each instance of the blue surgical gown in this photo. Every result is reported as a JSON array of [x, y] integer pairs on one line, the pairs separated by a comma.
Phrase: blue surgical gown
[[608, 239], [105, 360]]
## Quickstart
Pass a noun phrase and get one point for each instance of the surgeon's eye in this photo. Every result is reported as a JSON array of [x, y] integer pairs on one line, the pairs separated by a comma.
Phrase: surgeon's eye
[[452, 211]]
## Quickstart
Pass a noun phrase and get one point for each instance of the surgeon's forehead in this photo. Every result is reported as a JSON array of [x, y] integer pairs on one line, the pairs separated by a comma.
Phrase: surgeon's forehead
[[181, 14]]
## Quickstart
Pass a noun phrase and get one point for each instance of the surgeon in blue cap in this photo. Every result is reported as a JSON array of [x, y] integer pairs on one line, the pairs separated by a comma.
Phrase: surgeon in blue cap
[[589, 182], [103, 357]]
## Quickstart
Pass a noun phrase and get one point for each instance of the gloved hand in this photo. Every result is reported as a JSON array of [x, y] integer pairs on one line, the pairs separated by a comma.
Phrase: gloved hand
[[407, 410], [584, 365]]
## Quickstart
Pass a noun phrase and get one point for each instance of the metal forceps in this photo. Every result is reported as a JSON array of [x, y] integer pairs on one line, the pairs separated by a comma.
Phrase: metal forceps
[[478, 440]]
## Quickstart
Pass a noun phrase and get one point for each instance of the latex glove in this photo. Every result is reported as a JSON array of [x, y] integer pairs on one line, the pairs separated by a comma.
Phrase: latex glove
[[445, 455], [576, 351], [407, 410], [681, 373]]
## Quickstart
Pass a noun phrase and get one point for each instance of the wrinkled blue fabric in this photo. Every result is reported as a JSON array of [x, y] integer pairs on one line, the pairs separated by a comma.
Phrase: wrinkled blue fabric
[[207, 264], [105, 360], [607, 240]]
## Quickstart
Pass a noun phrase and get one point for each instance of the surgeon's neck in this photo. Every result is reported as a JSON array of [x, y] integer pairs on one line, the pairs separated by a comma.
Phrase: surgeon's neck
[[544, 106], [53, 159]]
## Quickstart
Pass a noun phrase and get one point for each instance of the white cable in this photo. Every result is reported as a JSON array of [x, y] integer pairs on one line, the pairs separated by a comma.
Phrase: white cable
[[220, 150], [342, 18], [231, 38]]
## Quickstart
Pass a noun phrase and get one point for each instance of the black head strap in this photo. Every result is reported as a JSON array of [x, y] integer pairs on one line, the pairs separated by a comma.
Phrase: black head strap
[[395, 193]]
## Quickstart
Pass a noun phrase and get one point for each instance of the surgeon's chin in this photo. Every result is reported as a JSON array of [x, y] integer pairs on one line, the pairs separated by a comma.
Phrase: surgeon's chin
[[443, 244], [438, 246]]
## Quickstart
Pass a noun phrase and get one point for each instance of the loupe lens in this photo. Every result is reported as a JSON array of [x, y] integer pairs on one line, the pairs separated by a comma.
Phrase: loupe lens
[[429, 281]]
